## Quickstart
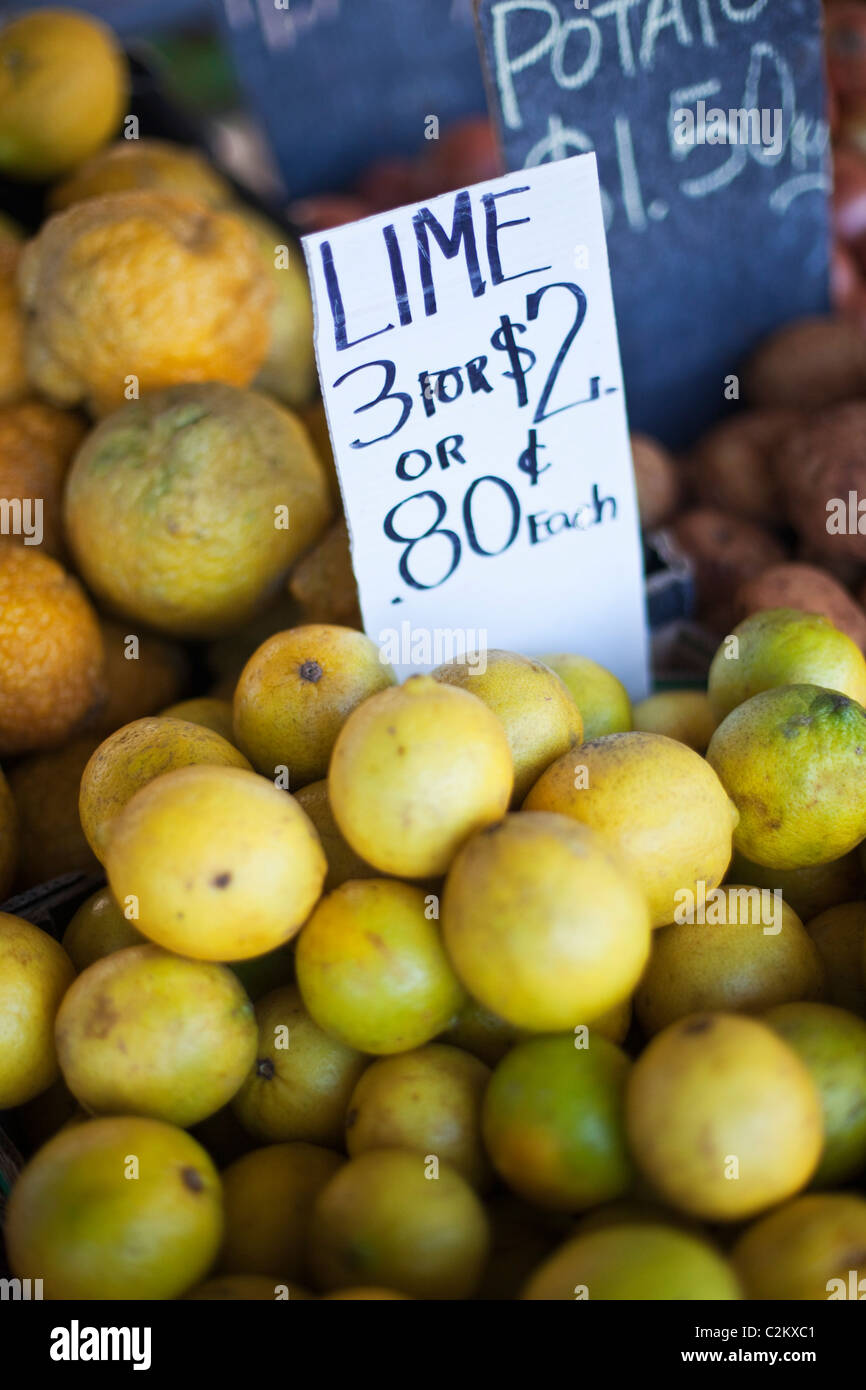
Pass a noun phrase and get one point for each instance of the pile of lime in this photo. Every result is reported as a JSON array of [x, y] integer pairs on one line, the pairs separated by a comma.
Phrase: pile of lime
[[435, 990]]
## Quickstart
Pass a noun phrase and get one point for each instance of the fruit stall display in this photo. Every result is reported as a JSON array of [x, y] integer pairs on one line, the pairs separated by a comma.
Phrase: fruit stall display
[[483, 985]]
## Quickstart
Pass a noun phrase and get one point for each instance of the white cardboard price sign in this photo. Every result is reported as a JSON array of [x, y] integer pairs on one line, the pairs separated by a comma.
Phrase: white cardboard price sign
[[470, 370]]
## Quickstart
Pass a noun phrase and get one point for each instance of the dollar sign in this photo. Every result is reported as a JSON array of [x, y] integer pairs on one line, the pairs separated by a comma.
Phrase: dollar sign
[[560, 141], [503, 340]]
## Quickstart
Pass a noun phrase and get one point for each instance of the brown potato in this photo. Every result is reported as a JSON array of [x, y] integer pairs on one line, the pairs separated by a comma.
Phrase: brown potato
[[724, 551], [845, 39], [657, 480], [846, 284], [820, 466], [807, 365], [731, 465], [852, 122], [13, 377], [844, 568], [808, 588], [849, 196]]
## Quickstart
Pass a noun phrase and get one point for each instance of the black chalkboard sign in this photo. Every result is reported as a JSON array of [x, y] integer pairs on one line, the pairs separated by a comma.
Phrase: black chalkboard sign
[[707, 118], [340, 83]]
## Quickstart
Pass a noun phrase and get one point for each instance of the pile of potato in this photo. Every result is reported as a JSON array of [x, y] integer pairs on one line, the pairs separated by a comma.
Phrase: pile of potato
[[754, 505], [748, 504]]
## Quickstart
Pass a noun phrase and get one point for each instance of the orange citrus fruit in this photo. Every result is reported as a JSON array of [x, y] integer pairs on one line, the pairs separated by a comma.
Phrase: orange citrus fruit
[[206, 710], [185, 510], [222, 865], [296, 693], [372, 969], [132, 757], [289, 371], [51, 653], [130, 166], [37, 442], [554, 1122], [35, 973], [135, 291], [13, 377], [118, 1207], [63, 85]]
